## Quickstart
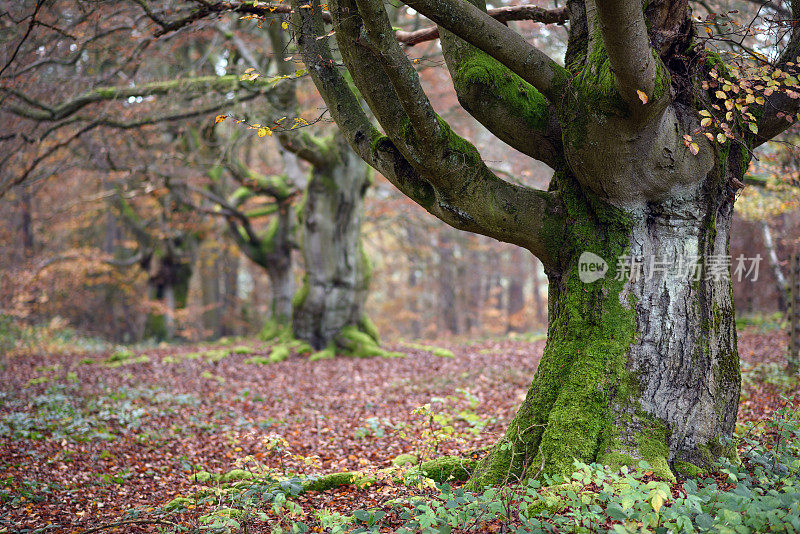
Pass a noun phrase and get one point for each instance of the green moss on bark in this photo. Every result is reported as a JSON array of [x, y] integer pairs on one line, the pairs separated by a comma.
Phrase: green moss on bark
[[275, 329], [352, 341], [368, 327], [333, 480], [448, 468], [481, 72], [301, 294], [567, 413]]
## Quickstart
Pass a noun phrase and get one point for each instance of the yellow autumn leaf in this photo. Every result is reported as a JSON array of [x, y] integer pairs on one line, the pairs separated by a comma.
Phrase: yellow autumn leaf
[[721, 138], [219, 119], [284, 25], [694, 148], [657, 502], [262, 132], [642, 96], [705, 122]]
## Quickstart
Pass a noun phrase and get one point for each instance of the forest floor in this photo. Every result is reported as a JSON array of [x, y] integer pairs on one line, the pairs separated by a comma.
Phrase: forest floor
[[90, 439]]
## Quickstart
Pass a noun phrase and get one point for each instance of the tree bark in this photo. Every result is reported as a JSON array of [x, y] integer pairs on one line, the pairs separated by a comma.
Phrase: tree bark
[[448, 308], [208, 270], [169, 284], [539, 308], [516, 290], [772, 257], [633, 369], [337, 271], [282, 289]]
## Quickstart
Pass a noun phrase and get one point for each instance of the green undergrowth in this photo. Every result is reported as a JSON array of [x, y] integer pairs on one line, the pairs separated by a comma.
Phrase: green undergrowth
[[18, 337], [62, 413], [767, 373], [760, 494], [362, 343], [357, 341], [762, 321], [281, 352], [238, 497]]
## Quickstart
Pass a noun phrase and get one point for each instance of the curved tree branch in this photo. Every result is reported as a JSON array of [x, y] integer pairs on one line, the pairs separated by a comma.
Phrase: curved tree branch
[[779, 104], [508, 106], [502, 14], [452, 196], [499, 41], [624, 32], [398, 69]]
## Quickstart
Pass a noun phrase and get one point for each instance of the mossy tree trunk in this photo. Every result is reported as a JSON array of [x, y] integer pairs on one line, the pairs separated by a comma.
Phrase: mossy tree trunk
[[328, 310], [168, 283], [637, 366], [271, 249], [337, 275], [166, 252]]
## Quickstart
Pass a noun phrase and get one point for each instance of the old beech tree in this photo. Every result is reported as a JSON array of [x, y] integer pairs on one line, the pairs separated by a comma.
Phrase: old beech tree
[[637, 368]]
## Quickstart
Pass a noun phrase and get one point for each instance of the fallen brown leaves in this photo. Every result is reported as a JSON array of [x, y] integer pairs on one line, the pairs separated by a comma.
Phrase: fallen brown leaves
[[195, 413]]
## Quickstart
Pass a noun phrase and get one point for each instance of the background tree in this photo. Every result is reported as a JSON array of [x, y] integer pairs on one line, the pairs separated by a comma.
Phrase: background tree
[[166, 237]]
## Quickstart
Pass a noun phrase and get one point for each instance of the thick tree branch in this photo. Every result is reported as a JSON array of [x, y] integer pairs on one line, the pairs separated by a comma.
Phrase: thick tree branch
[[454, 203], [398, 69], [499, 41], [493, 37], [501, 14], [779, 104], [509, 107], [624, 32]]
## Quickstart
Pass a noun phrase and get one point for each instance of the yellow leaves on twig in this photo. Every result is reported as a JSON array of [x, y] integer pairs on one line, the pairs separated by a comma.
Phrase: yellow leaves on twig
[[689, 143], [249, 75]]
